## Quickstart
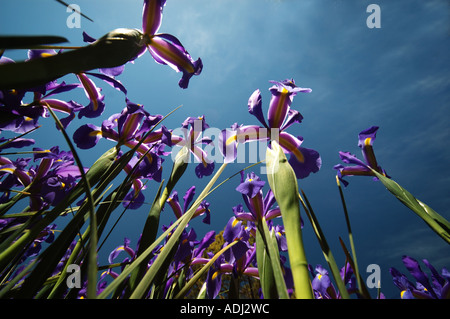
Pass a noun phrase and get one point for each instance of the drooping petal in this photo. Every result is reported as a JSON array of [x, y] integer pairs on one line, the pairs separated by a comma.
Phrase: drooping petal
[[291, 144], [134, 199], [87, 136], [201, 170], [311, 164]]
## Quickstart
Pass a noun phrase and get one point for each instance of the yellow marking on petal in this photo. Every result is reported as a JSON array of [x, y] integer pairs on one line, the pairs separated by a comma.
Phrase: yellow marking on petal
[[46, 55], [231, 139], [95, 133], [28, 119], [234, 223], [368, 141], [250, 179], [84, 80], [7, 169], [214, 276], [298, 155], [319, 276], [172, 57], [279, 107], [402, 293]]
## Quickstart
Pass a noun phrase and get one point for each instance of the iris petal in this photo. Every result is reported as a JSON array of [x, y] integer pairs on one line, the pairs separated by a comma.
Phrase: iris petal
[[152, 15]]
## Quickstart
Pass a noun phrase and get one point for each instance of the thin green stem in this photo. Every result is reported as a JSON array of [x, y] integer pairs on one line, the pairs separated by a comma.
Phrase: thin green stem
[[350, 237], [92, 259]]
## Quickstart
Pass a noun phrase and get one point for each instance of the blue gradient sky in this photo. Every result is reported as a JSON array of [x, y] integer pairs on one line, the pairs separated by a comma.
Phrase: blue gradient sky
[[395, 77]]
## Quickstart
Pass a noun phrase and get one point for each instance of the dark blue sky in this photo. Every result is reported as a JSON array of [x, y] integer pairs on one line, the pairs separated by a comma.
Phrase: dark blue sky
[[395, 77]]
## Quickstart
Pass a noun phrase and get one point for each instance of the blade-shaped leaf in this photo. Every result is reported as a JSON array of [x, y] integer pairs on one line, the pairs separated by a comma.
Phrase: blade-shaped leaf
[[180, 224], [25, 42], [274, 257], [325, 247], [436, 222], [265, 270]]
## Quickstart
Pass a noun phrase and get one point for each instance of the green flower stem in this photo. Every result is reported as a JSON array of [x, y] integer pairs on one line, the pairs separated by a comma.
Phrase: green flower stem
[[352, 243], [283, 183]]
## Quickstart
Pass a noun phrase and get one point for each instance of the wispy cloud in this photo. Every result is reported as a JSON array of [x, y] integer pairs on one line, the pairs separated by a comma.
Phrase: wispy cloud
[[419, 243]]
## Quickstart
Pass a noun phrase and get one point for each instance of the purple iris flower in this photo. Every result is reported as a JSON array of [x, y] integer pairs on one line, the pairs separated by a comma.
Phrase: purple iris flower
[[190, 250], [236, 261], [96, 105], [48, 182], [360, 168], [45, 99], [165, 48], [259, 206], [16, 118], [203, 208], [438, 288], [23, 119], [321, 282], [324, 288], [280, 116], [47, 236], [14, 173], [192, 129], [126, 128], [53, 177], [139, 172], [129, 128], [126, 248]]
